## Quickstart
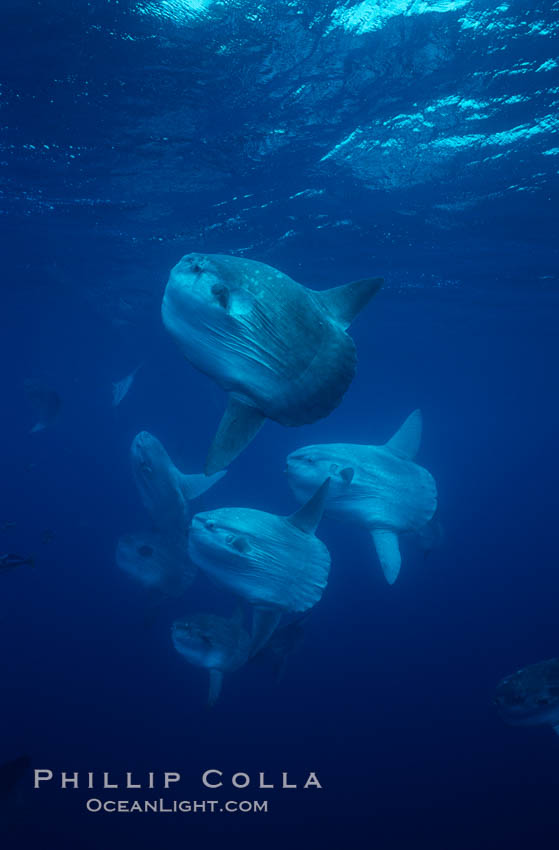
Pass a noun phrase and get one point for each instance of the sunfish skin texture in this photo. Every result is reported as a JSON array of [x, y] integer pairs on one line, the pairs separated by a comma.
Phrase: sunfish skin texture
[[164, 490], [379, 487], [261, 557], [219, 645], [530, 697], [279, 348], [156, 562]]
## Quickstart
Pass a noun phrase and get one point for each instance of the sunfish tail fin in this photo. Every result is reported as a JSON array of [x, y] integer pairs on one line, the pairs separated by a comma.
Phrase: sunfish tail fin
[[237, 428], [307, 518], [216, 681], [264, 623], [406, 441], [388, 550], [345, 302], [192, 486]]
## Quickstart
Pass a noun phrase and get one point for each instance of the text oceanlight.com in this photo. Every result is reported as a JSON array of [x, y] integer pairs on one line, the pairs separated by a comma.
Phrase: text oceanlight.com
[[176, 806]]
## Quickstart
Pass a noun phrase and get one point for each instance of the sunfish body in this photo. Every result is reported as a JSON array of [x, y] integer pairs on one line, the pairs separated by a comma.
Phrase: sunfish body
[[274, 563], [379, 487], [156, 562], [216, 643], [530, 697], [164, 490], [281, 350]]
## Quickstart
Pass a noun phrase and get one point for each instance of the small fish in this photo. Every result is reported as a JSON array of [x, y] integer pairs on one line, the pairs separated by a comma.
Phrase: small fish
[[9, 561], [216, 643], [46, 402], [530, 697], [7, 524], [11, 773], [121, 388]]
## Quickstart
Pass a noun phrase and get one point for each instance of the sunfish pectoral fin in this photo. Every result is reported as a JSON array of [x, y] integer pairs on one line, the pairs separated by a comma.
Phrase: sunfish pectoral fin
[[388, 550], [264, 623], [345, 302], [307, 518], [216, 681], [192, 486], [238, 426], [406, 440]]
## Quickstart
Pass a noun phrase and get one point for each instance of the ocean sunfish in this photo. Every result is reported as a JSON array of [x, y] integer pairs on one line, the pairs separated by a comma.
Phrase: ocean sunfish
[[530, 697], [156, 562], [216, 643], [274, 563], [281, 350], [164, 490], [379, 487]]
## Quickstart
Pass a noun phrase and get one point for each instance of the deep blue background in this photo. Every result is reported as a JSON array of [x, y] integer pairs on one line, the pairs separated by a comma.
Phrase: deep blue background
[[389, 698]]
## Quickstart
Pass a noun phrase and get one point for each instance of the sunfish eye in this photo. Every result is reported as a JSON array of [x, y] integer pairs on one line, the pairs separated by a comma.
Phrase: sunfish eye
[[221, 293], [145, 551], [209, 523]]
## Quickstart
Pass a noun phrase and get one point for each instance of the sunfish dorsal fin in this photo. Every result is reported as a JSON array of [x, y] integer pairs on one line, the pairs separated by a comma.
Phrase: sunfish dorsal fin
[[192, 486], [308, 517], [388, 549], [216, 681], [406, 440], [239, 424], [345, 302]]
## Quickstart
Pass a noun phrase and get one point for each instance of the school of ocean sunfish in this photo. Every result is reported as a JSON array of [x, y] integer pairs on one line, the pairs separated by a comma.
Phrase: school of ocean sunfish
[[281, 351]]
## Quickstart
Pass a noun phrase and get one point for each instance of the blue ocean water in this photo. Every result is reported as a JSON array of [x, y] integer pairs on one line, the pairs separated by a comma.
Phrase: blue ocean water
[[334, 141]]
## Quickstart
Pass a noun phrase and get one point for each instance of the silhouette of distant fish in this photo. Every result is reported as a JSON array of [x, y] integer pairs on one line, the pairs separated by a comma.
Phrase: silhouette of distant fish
[[281, 350], [156, 562], [530, 697], [216, 643], [11, 773], [10, 561], [284, 642], [164, 490], [45, 400], [379, 487], [432, 535], [121, 388], [275, 563]]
